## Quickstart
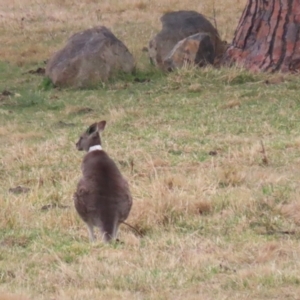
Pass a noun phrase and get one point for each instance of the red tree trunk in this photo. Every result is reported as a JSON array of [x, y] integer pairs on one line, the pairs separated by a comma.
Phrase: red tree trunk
[[268, 36]]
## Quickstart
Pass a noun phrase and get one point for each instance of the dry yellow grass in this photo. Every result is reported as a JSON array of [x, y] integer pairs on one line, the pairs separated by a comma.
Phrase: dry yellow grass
[[217, 221], [31, 30], [12, 297]]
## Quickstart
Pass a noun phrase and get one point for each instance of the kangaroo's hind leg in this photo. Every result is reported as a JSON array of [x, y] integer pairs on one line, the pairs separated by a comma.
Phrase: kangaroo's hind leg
[[109, 228], [91, 232]]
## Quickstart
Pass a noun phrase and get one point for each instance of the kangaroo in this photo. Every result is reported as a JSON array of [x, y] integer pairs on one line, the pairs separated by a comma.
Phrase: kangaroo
[[102, 198]]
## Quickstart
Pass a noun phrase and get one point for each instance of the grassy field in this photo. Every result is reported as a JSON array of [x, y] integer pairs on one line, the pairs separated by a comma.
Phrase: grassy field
[[212, 157]]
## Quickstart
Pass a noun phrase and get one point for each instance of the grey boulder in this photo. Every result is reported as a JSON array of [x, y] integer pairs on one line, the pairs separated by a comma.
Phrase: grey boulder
[[176, 26], [197, 49], [89, 57]]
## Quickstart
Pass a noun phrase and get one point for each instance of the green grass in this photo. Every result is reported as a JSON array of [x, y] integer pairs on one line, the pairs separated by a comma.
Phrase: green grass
[[213, 226]]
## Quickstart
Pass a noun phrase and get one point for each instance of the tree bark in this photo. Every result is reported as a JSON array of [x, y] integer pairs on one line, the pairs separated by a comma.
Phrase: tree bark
[[268, 36]]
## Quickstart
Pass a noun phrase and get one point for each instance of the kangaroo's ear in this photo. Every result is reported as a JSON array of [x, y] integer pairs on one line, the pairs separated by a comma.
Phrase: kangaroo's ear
[[101, 125], [92, 129]]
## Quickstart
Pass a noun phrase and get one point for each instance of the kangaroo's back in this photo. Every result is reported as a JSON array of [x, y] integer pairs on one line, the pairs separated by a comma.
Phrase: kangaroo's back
[[101, 169]]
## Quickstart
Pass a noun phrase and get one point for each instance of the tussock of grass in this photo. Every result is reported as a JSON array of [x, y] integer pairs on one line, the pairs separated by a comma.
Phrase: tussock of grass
[[291, 211]]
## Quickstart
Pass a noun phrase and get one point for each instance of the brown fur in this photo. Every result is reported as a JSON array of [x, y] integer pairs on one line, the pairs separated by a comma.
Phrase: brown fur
[[102, 198]]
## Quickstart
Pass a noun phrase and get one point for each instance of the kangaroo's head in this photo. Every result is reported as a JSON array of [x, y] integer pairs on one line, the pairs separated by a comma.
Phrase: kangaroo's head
[[91, 137]]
